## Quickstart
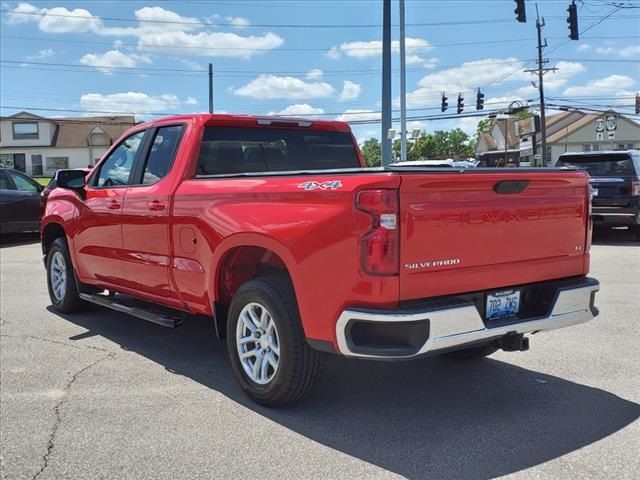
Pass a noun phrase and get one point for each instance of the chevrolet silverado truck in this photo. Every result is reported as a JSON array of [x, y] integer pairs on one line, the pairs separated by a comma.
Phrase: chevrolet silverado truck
[[272, 230]]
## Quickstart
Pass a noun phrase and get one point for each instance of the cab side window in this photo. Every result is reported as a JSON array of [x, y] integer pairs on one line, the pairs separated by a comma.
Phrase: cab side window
[[116, 169], [162, 153]]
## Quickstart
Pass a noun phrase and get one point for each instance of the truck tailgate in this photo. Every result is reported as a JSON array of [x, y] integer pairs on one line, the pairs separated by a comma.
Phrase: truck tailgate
[[478, 230]]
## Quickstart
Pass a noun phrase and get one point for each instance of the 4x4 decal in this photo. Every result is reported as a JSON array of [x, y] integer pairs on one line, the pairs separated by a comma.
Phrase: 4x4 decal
[[328, 185]]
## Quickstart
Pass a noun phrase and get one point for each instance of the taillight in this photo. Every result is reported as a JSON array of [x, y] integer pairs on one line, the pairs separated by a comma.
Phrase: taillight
[[380, 245], [635, 187]]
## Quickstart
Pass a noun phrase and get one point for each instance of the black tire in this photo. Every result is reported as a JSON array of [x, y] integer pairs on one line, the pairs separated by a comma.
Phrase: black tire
[[70, 301], [471, 353], [299, 366]]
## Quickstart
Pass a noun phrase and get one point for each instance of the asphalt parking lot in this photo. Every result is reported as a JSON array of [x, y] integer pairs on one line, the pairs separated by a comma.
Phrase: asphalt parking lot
[[100, 395]]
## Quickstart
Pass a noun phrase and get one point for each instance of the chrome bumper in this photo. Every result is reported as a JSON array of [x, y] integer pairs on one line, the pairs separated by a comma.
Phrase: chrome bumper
[[456, 325]]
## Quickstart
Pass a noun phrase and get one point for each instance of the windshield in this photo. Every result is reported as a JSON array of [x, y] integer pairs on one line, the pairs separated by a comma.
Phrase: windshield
[[600, 166], [227, 150]]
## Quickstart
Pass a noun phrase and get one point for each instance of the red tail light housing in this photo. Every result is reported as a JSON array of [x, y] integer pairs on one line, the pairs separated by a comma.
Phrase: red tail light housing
[[380, 245]]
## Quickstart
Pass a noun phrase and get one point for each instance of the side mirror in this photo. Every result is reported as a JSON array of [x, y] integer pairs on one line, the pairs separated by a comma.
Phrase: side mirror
[[71, 179]]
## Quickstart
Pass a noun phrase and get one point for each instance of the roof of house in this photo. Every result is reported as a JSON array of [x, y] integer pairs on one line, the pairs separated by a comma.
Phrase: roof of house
[[75, 132], [572, 127], [513, 141], [488, 139]]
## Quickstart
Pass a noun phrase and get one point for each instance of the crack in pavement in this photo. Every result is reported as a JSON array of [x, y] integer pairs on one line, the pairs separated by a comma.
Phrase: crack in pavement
[[33, 337], [57, 408]]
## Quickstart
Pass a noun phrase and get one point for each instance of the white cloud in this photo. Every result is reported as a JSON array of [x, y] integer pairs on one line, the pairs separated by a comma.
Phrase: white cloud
[[55, 20], [585, 47], [106, 62], [611, 85], [431, 62], [465, 79], [238, 22], [274, 87], [41, 54], [497, 102], [210, 44], [629, 51], [315, 74], [191, 101], [129, 102], [373, 48], [299, 109], [469, 125], [624, 52], [158, 29], [554, 80], [350, 91], [358, 114], [191, 65]]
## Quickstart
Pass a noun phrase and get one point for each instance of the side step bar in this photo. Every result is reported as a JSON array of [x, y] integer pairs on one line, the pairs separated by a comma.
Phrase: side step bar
[[136, 308]]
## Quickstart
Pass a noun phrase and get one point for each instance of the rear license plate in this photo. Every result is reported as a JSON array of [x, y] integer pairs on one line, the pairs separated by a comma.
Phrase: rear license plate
[[502, 304]]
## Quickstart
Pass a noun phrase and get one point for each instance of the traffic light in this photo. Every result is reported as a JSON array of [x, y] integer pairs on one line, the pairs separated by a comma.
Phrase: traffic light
[[572, 20], [480, 100], [460, 103], [521, 13], [444, 104], [637, 103]]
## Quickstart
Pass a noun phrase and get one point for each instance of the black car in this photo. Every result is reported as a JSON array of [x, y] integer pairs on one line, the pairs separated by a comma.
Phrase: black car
[[20, 203], [615, 178]]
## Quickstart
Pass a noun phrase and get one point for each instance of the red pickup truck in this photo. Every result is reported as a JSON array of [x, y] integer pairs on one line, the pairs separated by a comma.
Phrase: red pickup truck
[[273, 230]]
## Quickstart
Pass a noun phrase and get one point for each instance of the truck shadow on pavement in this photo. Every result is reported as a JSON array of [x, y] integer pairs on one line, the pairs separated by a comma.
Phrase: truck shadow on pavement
[[424, 418]]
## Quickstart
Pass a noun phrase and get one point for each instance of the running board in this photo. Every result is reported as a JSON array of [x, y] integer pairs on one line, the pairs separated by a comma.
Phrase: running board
[[139, 309]]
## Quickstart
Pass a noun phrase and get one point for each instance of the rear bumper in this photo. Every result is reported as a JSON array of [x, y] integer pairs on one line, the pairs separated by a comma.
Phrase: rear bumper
[[457, 322], [614, 216]]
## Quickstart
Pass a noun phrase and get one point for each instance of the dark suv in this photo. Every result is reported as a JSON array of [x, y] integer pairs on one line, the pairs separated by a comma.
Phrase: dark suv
[[615, 178]]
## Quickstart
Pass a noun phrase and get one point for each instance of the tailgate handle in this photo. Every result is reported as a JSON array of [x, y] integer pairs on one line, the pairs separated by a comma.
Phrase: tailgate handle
[[506, 187]]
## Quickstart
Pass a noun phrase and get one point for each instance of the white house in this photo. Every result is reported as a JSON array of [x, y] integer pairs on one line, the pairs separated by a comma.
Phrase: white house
[[40, 146]]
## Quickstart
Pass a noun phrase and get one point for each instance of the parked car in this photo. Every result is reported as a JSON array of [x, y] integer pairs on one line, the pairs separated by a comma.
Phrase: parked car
[[273, 230], [615, 178], [20, 208]]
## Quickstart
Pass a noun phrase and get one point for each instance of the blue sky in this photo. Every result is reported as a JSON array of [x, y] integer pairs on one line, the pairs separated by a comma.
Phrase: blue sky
[[305, 57]]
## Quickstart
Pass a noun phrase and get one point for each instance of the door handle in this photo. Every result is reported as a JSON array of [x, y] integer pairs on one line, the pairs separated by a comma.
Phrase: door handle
[[156, 206], [113, 205]]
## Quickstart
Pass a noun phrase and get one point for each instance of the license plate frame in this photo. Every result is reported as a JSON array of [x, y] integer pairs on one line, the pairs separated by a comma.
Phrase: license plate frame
[[502, 304]]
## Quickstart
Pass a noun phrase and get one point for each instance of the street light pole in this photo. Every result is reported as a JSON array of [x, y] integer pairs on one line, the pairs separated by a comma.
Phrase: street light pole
[[403, 89], [386, 81]]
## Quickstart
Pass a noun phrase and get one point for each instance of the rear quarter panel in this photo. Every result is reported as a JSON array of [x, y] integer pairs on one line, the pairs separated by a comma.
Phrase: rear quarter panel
[[316, 233]]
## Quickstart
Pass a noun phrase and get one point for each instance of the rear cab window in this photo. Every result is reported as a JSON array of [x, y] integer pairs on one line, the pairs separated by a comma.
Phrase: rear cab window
[[603, 165], [231, 150]]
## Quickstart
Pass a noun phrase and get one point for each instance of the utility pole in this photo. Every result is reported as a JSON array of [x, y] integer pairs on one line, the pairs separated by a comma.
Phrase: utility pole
[[211, 88], [386, 81], [403, 89], [541, 71]]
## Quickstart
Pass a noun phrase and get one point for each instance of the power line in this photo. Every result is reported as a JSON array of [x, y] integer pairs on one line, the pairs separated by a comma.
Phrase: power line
[[267, 25]]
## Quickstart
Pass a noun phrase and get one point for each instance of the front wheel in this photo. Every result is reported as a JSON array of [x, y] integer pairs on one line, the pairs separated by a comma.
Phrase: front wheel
[[267, 348], [61, 281]]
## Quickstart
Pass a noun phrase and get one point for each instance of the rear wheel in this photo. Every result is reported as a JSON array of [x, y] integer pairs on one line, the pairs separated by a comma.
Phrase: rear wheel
[[471, 353], [61, 281], [267, 348]]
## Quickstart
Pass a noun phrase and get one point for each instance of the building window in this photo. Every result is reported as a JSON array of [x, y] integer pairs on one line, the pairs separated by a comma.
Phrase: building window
[[25, 130], [36, 165], [53, 164], [14, 160], [629, 146], [586, 147]]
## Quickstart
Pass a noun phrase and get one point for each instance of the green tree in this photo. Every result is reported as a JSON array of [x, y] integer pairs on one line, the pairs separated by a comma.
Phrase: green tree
[[484, 126], [372, 152]]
